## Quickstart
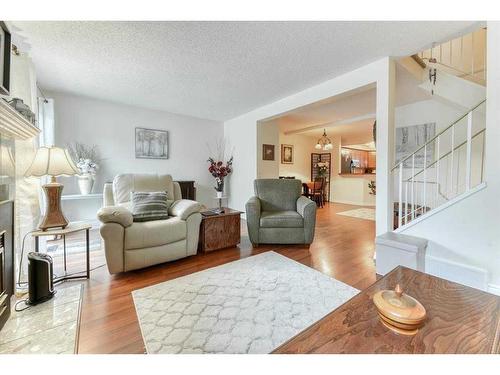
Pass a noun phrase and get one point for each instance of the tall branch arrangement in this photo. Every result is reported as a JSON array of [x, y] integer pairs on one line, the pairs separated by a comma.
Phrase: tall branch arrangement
[[85, 157], [218, 168]]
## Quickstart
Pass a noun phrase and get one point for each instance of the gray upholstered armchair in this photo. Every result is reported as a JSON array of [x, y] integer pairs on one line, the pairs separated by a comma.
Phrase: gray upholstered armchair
[[279, 214]]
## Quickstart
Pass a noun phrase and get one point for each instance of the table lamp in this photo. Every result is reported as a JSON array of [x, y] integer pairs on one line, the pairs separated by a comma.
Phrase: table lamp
[[53, 162]]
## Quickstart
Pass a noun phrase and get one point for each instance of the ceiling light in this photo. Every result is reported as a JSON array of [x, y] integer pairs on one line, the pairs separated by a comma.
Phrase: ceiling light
[[324, 142]]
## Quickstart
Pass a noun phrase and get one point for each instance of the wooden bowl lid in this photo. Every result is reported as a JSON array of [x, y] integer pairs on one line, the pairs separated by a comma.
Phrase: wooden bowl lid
[[399, 307]]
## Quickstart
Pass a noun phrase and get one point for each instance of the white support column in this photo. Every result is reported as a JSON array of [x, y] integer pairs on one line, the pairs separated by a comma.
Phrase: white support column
[[413, 186], [452, 157], [468, 161], [385, 148]]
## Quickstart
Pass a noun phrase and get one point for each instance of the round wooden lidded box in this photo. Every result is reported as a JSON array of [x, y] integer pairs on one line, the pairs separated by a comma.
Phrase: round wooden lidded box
[[398, 311]]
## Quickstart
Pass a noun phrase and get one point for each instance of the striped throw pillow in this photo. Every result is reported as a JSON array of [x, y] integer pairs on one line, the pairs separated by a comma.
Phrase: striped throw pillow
[[148, 206]]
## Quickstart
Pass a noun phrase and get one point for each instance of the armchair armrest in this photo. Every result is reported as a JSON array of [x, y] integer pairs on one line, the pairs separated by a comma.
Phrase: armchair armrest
[[107, 194], [307, 209], [115, 214], [253, 211], [305, 206], [183, 208]]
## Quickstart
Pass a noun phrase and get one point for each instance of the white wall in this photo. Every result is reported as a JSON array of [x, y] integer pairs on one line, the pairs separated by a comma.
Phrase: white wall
[[241, 132], [303, 146], [268, 133], [470, 228], [111, 127]]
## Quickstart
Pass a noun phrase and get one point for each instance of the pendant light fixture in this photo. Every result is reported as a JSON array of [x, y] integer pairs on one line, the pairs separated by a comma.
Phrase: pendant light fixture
[[324, 142], [432, 64]]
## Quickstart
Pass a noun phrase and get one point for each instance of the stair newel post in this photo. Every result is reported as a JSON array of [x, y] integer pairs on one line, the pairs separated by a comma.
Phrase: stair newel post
[[406, 201], [400, 205], [469, 151], [437, 169], [482, 156], [452, 187], [424, 199]]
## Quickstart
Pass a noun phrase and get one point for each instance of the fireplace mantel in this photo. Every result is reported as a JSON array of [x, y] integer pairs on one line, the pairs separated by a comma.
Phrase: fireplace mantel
[[14, 125]]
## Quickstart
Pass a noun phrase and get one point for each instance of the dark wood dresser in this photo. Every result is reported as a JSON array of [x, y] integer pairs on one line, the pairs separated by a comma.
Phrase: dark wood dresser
[[459, 320], [188, 190], [6, 259]]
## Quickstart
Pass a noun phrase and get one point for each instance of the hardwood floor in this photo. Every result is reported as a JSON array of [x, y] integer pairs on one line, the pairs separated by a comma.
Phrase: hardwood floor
[[343, 248]]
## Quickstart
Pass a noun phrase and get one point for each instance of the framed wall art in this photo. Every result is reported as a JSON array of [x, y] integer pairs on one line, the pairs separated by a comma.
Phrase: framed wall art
[[5, 46], [151, 143], [267, 152], [409, 138], [286, 154]]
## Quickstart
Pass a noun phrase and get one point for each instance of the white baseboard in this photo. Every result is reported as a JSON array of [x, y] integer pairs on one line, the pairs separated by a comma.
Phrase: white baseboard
[[354, 203], [494, 289], [461, 273]]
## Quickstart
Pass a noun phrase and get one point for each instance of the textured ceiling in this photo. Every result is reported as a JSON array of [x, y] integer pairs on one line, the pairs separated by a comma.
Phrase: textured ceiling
[[213, 70]]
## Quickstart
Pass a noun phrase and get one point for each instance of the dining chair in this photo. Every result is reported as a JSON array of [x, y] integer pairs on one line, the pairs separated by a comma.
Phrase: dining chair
[[317, 192]]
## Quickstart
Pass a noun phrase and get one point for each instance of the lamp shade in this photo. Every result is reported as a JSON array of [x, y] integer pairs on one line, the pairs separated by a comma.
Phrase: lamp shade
[[51, 161]]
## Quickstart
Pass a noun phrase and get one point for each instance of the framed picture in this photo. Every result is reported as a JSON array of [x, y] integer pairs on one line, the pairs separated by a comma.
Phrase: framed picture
[[267, 152], [151, 143], [409, 138], [286, 154], [5, 46]]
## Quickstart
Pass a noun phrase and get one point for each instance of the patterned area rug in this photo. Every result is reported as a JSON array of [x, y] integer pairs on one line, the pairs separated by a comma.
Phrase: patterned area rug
[[48, 328], [360, 213], [252, 305]]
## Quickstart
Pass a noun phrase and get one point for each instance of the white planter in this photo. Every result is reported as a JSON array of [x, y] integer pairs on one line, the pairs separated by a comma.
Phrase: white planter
[[85, 183]]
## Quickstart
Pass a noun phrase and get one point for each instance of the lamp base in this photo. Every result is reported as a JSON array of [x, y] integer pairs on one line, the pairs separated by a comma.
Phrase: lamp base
[[53, 217]]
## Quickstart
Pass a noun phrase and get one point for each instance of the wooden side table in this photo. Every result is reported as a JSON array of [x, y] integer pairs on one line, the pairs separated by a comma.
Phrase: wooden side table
[[220, 231], [71, 228]]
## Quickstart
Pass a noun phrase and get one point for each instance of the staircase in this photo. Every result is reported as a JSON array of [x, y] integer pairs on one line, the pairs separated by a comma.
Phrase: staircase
[[439, 190], [464, 57], [445, 169]]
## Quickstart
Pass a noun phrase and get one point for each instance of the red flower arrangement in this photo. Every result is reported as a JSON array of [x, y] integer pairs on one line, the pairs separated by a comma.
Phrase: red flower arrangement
[[218, 170]]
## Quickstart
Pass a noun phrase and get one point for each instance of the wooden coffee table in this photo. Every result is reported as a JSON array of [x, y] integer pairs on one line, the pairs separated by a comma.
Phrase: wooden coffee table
[[220, 231], [459, 320]]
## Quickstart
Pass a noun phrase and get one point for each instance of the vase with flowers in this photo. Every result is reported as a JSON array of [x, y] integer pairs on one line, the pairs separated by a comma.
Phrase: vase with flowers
[[220, 170], [322, 169], [86, 158]]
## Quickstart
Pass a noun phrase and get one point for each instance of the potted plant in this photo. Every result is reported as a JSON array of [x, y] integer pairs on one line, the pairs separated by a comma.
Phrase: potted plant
[[86, 158], [373, 187]]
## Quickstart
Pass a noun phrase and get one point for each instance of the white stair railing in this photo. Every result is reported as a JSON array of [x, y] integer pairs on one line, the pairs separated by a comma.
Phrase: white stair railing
[[446, 166], [464, 57]]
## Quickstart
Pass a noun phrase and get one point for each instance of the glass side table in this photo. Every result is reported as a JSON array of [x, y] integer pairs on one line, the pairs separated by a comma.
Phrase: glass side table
[[71, 228]]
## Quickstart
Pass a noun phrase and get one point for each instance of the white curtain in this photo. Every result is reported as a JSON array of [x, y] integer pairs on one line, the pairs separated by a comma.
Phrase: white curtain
[[46, 121]]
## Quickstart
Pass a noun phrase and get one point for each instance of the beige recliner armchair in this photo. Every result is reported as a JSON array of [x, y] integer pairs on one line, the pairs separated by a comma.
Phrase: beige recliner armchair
[[130, 245]]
